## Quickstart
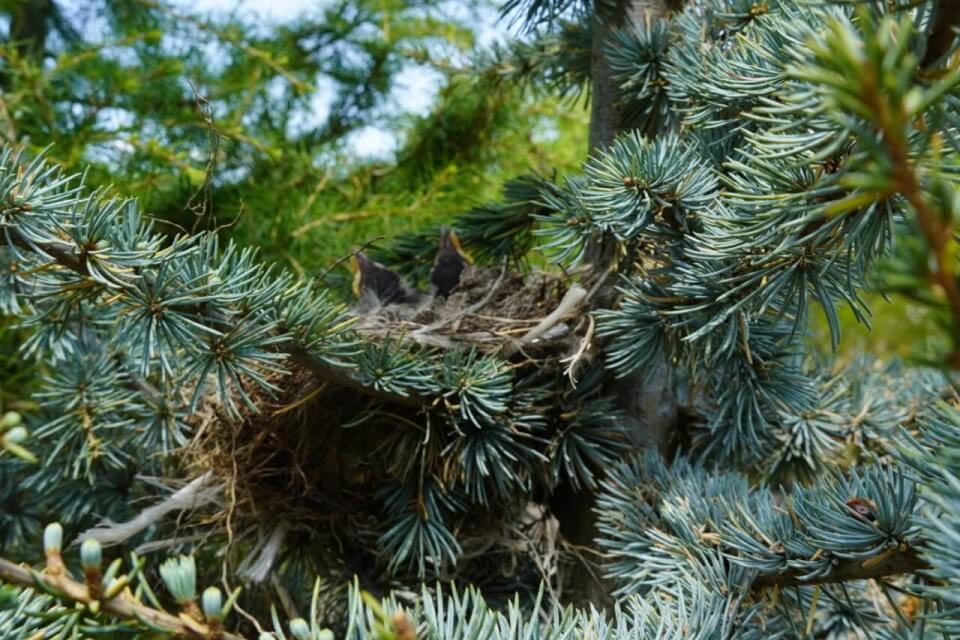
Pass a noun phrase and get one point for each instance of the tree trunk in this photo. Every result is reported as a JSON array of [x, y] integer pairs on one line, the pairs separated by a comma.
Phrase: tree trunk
[[605, 121], [28, 27], [650, 407], [604, 118], [945, 19]]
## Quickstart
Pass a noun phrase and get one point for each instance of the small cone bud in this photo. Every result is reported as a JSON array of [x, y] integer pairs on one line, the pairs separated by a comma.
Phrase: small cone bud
[[10, 419], [53, 538], [16, 435]]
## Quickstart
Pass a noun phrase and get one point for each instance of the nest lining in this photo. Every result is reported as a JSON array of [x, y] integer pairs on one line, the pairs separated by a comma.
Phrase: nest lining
[[490, 308]]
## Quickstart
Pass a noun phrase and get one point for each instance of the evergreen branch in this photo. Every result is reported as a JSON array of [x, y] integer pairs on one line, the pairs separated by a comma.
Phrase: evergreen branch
[[340, 377], [65, 256], [891, 563], [61, 254], [867, 89], [122, 605], [938, 235]]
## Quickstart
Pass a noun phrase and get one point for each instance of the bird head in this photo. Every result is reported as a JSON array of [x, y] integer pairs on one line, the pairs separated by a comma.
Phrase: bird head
[[450, 242]]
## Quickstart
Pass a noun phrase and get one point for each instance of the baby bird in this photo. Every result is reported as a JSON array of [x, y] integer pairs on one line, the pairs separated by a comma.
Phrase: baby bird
[[449, 264], [377, 286]]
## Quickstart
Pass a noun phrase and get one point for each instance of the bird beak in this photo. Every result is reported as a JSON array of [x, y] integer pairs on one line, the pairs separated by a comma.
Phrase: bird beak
[[357, 274], [455, 242]]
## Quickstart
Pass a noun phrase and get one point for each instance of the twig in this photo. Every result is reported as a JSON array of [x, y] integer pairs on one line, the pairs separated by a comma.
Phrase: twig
[[157, 545], [199, 491], [11, 133], [205, 191], [599, 283], [348, 256], [585, 343], [335, 217], [122, 605], [571, 302], [317, 189]]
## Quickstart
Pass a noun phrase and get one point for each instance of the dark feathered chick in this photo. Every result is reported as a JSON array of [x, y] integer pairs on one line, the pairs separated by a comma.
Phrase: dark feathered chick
[[373, 280], [450, 262]]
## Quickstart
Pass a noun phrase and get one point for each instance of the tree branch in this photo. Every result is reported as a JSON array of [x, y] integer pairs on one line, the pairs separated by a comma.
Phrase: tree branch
[[938, 235], [121, 606], [65, 256], [893, 563], [342, 378]]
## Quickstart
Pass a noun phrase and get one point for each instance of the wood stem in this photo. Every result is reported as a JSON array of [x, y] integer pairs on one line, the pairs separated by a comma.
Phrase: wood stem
[[894, 563], [121, 606]]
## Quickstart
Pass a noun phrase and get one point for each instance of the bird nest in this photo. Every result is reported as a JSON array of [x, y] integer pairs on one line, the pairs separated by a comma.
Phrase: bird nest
[[493, 309], [281, 461], [281, 466], [286, 476]]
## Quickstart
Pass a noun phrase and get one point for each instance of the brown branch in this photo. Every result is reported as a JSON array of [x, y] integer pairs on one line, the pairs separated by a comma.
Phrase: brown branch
[[62, 254], [893, 563], [905, 182], [121, 606]]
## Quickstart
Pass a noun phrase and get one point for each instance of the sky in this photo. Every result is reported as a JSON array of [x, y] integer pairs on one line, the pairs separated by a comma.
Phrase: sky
[[415, 87]]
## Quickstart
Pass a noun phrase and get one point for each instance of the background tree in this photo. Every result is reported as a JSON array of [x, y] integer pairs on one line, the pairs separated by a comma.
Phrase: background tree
[[777, 153]]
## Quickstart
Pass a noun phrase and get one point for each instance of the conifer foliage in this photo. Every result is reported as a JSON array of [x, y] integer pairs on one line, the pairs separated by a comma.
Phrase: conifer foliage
[[775, 153]]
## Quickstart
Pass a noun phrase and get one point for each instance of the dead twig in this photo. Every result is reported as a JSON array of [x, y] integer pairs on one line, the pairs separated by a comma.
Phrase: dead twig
[[570, 303], [573, 361], [348, 256]]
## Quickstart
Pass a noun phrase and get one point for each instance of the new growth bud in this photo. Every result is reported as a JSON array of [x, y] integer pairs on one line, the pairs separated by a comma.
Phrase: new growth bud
[[91, 555], [300, 629], [212, 604], [52, 545]]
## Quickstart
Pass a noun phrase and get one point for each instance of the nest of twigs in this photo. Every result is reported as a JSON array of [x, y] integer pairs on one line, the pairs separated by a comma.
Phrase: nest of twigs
[[294, 461], [493, 309], [284, 462], [292, 465]]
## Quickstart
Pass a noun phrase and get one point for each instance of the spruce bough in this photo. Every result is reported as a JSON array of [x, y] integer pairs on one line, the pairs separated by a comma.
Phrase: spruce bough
[[776, 155]]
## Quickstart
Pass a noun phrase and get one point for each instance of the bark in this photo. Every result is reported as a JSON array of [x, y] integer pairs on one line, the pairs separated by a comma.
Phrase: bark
[[946, 18], [605, 121], [650, 407], [28, 27], [895, 563]]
